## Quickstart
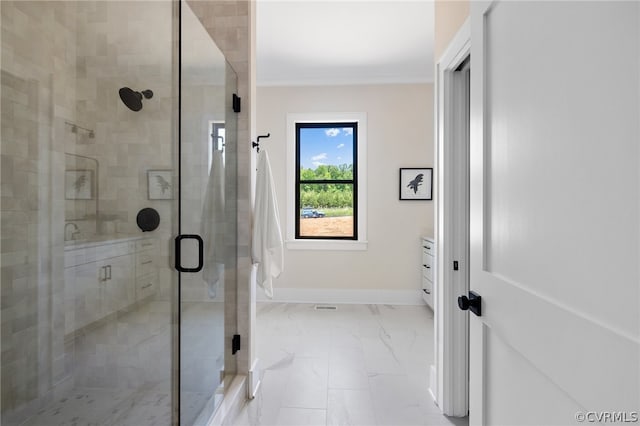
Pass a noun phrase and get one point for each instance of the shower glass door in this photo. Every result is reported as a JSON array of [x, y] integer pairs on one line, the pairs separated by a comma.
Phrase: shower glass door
[[207, 209], [89, 212], [116, 135]]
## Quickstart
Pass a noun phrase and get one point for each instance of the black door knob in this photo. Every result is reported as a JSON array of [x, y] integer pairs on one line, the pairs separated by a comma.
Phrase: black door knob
[[463, 302], [473, 303]]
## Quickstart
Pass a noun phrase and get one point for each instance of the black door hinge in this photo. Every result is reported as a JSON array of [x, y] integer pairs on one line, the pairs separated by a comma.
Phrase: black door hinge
[[236, 103], [235, 344], [455, 265]]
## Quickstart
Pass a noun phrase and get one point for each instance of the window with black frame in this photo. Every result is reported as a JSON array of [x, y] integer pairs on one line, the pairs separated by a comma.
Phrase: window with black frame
[[326, 189]]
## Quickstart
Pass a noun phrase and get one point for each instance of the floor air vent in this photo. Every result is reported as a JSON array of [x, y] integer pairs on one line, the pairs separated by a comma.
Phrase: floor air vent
[[325, 308]]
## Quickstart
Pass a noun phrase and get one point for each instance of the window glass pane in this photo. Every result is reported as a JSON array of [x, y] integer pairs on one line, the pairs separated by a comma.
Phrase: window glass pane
[[326, 153], [326, 210]]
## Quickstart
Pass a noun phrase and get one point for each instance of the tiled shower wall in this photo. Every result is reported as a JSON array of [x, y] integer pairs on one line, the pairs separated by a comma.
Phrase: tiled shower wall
[[69, 70], [38, 95], [126, 44], [64, 62]]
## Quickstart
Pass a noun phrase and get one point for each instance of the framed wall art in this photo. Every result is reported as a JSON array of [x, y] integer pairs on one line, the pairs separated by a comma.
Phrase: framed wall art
[[78, 184], [160, 183], [416, 183]]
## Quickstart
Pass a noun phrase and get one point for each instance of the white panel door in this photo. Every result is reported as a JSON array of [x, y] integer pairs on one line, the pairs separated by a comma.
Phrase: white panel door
[[555, 212]]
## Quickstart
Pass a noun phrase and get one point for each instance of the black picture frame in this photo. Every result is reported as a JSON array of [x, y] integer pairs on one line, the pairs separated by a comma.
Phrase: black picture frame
[[416, 184]]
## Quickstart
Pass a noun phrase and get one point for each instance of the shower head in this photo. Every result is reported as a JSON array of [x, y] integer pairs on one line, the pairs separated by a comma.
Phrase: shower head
[[133, 99]]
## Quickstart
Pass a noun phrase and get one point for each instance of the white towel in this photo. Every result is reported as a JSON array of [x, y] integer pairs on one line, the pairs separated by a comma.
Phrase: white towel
[[267, 248], [213, 226]]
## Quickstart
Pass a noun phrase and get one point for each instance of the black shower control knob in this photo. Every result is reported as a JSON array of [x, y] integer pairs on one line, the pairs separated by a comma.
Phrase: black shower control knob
[[148, 219]]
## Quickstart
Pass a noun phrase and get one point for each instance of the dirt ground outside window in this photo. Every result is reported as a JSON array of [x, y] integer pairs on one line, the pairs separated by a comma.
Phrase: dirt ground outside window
[[327, 227]]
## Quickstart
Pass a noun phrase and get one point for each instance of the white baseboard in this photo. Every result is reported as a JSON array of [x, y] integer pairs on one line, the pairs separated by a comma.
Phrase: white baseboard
[[338, 296], [232, 403], [254, 379], [432, 384]]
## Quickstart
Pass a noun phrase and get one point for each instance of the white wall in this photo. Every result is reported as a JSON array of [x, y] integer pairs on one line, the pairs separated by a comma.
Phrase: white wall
[[400, 134], [449, 17]]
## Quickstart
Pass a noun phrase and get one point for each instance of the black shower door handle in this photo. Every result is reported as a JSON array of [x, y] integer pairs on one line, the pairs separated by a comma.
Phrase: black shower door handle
[[178, 240]]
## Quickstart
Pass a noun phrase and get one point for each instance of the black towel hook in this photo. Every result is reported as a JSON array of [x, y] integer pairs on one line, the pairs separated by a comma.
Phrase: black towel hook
[[257, 143]]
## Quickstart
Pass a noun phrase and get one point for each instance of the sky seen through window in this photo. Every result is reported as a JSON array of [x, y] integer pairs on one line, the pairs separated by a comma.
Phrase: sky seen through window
[[326, 146]]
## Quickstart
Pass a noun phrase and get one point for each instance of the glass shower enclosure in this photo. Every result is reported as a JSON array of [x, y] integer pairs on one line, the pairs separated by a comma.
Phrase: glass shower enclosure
[[117, 134]]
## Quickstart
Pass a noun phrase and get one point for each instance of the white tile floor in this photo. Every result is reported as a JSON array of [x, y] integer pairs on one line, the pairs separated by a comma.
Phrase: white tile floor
[[122, 369], [357, 365]]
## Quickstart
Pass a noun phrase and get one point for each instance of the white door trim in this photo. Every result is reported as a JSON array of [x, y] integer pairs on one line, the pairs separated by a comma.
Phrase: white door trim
[[451, 325]]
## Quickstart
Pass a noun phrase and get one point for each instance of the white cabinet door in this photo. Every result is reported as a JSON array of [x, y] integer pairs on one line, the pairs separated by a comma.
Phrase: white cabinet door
[[83, 298], [97, 289], [119, 288], [555, 211]]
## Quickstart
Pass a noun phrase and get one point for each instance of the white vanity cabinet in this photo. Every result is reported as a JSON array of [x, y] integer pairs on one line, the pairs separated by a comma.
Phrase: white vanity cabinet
[[428, 269], [103, 277], [98, 281]]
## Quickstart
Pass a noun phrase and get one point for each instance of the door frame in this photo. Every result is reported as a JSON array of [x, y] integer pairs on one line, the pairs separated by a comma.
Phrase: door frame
[[450, 374]]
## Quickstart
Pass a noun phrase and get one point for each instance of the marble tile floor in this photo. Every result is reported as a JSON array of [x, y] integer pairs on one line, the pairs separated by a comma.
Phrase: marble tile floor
[[357, 365], [122, 370]]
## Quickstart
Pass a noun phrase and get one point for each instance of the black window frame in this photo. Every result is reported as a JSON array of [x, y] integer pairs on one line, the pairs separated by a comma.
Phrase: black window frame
[[354, 181]]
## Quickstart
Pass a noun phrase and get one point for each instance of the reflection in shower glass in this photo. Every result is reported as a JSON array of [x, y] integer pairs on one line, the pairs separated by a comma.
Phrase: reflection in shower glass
[[208, 180], [86, 313], [90, 303]]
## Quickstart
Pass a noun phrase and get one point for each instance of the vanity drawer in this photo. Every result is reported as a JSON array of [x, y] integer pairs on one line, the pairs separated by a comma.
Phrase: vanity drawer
[[146, 285], [427, 297], [427, 285], [427, 291], [427, 257], [428, 247], [145, 263], [427, 266], [147, 244]]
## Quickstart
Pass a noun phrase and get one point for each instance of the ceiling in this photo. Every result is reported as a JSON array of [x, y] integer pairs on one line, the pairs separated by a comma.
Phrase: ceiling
[[321, 42]]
